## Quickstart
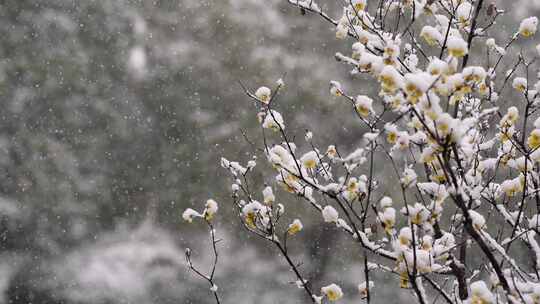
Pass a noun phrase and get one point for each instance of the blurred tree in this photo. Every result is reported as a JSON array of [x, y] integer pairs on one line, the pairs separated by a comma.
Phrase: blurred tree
[[113, 109]]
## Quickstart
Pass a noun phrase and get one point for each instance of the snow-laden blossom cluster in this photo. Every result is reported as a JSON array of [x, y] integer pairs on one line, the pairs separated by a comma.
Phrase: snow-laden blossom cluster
[[447, 165]]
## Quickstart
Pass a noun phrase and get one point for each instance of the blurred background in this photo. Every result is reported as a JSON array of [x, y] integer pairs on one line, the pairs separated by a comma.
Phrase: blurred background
[[114, 116]]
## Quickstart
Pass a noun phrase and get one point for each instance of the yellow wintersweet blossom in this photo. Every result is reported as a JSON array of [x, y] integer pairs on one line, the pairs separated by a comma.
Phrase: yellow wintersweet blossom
[[332, 292], [295, 227], [534, 139]]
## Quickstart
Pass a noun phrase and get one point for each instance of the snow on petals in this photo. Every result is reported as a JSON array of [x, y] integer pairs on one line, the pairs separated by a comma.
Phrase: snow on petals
[[478, 221], [480, 293], [295, 227], [520, 84], [268, 196], [310, 160], [431, 35], [528, 26], [273, 120], [211, 207], [332, 292], [263, 94], [189, 214], [457, 47], [330, 215], [363, 105]]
